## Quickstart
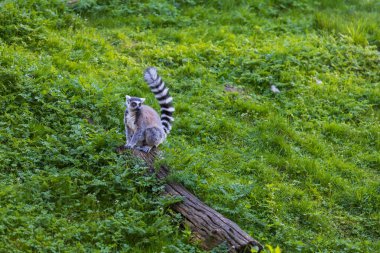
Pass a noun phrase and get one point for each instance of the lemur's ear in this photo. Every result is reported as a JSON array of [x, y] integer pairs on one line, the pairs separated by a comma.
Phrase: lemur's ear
[[142, 100], [127, 97]]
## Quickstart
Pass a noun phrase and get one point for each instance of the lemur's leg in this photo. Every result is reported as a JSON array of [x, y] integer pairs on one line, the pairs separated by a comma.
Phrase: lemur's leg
[[153, 137], [136, 138]]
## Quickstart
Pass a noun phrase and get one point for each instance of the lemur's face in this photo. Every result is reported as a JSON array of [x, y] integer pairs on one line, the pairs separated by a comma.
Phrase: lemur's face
[[134, 103]]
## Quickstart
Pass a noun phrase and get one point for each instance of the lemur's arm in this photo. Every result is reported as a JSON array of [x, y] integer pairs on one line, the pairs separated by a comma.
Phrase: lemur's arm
[[128, 134], [138, 136], [128, 131]]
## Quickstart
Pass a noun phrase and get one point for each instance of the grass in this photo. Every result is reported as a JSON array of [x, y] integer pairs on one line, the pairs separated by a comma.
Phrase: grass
[[298, 169]]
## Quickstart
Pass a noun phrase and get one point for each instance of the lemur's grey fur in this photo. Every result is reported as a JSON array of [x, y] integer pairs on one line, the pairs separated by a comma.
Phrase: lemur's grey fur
[[144, 129]]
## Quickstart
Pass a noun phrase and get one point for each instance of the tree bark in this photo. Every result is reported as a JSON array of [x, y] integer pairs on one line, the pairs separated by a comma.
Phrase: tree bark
[[208, 226]]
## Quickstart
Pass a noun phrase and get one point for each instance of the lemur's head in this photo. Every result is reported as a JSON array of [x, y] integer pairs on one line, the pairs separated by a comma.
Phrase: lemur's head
[[133, 103]]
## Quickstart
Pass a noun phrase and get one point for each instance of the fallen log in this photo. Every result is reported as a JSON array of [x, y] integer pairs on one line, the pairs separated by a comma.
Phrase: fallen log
[[208, 226]]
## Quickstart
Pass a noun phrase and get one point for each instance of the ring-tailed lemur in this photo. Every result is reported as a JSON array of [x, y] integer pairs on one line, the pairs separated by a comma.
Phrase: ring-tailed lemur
[[144, 128]]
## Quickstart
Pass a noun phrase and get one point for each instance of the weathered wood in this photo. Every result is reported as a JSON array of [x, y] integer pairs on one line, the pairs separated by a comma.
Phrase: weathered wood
[[208, 226]]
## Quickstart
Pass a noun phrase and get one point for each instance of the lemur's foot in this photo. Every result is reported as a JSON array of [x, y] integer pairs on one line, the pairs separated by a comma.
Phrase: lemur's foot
[[145, 149]]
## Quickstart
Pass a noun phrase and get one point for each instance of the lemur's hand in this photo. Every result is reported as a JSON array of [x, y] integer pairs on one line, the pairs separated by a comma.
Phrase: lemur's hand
[[128, 146]]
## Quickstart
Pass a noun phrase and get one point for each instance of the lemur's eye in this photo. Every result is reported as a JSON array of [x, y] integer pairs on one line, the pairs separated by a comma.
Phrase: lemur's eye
[[133, 104]]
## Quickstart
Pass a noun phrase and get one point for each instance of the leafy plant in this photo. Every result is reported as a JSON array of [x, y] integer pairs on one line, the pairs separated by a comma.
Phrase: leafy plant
[[297, 169]]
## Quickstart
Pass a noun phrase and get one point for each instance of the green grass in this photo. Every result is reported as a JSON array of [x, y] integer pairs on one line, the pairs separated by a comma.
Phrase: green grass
[[298, 169]]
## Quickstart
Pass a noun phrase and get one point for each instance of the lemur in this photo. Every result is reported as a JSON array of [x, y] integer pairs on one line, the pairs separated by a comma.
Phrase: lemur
[[144, 129]]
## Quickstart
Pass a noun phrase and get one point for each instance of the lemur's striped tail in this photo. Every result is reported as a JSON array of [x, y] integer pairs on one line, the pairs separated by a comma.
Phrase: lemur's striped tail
[[161, 92]]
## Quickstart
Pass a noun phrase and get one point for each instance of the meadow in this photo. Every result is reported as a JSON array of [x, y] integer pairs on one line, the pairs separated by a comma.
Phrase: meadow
[[298, 169]]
